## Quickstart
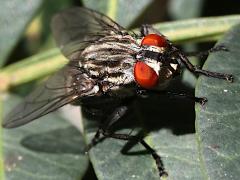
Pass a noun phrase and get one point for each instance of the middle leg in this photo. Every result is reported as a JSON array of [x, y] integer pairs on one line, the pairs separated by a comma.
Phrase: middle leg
[[105, 125]]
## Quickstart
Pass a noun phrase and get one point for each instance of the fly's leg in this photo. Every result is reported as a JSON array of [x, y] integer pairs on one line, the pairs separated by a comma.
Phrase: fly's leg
[[206, 53], [127, 137], [143, 92], [105, 125], [197, 70], [94, 141], [104, 130]]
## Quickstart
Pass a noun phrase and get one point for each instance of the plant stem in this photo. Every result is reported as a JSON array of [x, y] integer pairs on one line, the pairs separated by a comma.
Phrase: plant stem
[[31, 68]]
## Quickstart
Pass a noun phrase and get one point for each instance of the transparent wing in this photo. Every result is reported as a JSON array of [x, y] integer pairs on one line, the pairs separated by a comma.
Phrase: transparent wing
[[76, 28], [53, 94]]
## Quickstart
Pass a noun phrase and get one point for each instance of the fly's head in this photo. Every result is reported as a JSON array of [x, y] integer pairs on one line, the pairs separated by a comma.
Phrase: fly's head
[[156, 63]]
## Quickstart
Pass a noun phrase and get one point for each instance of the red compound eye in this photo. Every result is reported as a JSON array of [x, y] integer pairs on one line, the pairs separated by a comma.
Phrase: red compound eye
[[154, 40], [145, 76]]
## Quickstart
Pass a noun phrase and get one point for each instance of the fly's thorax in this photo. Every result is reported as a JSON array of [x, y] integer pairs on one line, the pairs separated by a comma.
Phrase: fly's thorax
[[109, 62], [109, 75], [111, 45]]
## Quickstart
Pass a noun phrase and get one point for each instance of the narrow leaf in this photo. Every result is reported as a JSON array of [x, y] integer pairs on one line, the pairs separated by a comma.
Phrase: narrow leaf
[[217, 123]]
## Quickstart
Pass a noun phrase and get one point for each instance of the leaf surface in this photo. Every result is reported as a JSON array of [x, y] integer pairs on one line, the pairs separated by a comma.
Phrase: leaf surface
[[217, 123], [49, 148]]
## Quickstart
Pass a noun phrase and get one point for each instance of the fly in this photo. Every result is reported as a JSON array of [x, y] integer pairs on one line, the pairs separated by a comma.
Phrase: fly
[[109, 67]]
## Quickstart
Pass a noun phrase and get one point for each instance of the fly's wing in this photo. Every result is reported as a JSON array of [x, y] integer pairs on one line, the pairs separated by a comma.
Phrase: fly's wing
[[54, 93], [76, 28]]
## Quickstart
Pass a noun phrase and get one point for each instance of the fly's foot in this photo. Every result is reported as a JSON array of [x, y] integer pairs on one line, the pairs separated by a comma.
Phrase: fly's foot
[[201, 100], [229, 77], [87, 149], [141, 92], [163, 175], [219, 48]]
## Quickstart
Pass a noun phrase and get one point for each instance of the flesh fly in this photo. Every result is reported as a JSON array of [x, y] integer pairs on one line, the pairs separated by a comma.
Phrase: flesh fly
[[109, 65]]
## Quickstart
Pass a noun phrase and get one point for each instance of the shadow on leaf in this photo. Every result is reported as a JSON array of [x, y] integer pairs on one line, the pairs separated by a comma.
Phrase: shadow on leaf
[[66, 140]]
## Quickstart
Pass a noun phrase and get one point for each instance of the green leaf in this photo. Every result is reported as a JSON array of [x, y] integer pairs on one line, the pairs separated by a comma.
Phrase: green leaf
[[217, 123], [121, 11], [14, 17], [49, 148]]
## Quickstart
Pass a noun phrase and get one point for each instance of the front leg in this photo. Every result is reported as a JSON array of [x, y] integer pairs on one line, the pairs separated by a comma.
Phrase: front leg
[[148, 29], [197, 70]]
